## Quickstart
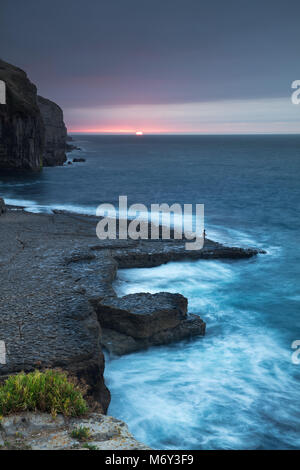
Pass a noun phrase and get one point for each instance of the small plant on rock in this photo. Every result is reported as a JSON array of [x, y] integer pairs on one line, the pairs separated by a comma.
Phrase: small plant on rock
[[81, 434]]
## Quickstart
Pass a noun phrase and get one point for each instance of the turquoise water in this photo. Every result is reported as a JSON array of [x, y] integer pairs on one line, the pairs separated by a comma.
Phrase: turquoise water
[[237, 387]]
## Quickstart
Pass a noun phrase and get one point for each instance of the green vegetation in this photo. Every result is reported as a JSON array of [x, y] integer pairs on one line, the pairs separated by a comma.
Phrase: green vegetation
[[50, 391], [81, 434], [89, 446]]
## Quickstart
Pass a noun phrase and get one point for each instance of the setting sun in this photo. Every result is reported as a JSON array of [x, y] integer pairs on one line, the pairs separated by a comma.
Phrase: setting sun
[[139, 133]]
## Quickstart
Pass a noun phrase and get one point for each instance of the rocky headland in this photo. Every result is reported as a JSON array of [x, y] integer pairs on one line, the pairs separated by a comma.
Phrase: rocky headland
[[32, 130]]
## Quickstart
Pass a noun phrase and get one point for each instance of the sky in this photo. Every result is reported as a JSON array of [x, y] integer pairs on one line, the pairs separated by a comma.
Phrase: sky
[[160, 66]]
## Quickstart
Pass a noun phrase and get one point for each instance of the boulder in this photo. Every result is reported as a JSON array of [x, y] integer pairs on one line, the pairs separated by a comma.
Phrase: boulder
[[141, 315], [138, 321]]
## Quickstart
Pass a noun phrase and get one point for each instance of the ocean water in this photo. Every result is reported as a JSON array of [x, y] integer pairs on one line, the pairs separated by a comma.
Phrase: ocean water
[[237, 387]]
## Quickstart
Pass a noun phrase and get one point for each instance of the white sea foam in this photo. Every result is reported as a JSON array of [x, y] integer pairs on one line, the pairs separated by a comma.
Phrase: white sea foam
[[213, 393], [19, 202], [34, 207], [232, 389], [227, 235]]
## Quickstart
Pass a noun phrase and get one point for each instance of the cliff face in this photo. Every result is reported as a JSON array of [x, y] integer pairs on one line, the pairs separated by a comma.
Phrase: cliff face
[[32, 131], [21, 124], [55, 133]]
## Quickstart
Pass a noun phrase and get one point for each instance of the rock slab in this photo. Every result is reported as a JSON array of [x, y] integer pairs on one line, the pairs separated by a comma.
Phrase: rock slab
[[142, 315], [40, 431], [137, 321]]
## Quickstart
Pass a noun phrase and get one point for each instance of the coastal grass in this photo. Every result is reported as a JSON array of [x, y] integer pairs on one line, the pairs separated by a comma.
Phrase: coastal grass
[[50, 391], [82, 434]]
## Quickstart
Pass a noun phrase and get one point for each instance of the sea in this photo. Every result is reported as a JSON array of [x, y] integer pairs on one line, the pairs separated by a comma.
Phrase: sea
[[237, 387]]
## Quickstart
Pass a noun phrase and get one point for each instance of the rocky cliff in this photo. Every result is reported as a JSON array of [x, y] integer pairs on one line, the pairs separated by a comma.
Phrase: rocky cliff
[[32, 130], [55, 132], [21, 124]]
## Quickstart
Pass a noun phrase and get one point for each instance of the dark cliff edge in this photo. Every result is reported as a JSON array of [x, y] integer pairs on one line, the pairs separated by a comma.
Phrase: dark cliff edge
[[32, 131], [55, 132], [22, 130]]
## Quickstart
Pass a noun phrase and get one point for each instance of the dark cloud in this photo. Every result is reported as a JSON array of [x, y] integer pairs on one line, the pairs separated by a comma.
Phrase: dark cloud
[[117, 52]]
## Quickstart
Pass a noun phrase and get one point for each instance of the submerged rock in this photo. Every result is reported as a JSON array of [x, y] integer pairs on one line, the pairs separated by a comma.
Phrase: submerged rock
[[71, 147], [39, 431]]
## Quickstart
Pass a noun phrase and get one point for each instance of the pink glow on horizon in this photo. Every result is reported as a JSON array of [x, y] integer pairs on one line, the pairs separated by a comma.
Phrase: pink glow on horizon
[[117, 131], [259, 116]]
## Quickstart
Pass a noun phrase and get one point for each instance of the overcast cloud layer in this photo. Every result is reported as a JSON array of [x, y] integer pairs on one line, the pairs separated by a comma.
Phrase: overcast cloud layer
[[160, 65]]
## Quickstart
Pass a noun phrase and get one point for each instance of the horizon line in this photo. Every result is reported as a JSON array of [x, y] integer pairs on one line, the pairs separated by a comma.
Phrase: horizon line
[[176, 133]]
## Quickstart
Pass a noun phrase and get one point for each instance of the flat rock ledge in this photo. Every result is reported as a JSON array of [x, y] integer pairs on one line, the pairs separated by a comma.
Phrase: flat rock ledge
[[138, 321], [54, 270], [40, 431]]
